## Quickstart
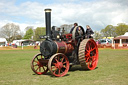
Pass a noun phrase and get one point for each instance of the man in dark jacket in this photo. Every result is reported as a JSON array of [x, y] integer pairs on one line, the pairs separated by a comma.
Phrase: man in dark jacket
[[89, 32], [75, 24]]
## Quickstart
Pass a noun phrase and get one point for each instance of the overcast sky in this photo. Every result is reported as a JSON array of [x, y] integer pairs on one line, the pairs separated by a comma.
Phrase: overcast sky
[[96, 13]]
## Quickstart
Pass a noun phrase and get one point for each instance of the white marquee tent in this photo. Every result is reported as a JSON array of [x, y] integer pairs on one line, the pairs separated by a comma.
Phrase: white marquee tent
[[3, 42]]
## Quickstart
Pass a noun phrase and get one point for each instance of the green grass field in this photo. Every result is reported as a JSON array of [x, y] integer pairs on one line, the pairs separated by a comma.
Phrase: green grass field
[[112, 69]]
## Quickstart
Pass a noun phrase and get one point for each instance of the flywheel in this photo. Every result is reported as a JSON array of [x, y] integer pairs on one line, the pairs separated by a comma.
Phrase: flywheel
[[88, 54]]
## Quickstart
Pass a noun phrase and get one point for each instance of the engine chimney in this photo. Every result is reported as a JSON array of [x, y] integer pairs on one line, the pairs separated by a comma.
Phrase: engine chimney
[[48, 22]]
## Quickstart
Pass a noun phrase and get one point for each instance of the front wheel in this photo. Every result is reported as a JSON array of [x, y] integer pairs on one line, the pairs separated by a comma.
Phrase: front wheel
[[58, 65]]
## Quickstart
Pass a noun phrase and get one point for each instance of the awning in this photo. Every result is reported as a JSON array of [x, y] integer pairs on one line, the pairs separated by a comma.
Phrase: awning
[[121, 37]]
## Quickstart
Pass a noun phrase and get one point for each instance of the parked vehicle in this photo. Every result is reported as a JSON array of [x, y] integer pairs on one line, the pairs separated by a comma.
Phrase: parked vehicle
[[103, 43]]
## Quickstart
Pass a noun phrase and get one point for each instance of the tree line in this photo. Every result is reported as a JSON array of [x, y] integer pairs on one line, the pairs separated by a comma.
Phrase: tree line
[[12, 32], [111, 31]]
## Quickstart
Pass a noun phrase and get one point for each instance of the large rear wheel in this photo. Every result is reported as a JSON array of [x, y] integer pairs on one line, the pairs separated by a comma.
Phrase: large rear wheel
[[88, 54]]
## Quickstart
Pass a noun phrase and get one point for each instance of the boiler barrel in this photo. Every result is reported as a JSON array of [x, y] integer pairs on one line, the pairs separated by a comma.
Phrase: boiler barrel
[[63, 47], [48, 48]]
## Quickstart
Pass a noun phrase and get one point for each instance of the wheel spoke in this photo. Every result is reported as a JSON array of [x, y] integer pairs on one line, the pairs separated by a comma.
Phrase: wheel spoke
[[94, 60], [55, 70], [64, 67], [62, 59], [36, 61], [86, 49], [37, 68], [54, 64], [64, 62], [94, 56], [89, 63], [59, 71], [56, 60], [37, 58], [87, 59], [93, 49], [90, 58], [89, 46], [93, 63], [54, 67], [86, 54], [43, 68], [36, 65], [41, 57]]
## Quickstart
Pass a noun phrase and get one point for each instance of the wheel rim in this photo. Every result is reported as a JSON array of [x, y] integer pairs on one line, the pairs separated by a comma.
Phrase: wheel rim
[[58, 65], [91, 54], [38, 66]]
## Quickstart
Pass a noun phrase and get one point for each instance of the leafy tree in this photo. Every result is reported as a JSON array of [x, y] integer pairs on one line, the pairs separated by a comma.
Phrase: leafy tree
[[38, 32], [10, 31], [29, 34], [97, 35], [29, 27], [109, 31], [66, 27], [121, 29]]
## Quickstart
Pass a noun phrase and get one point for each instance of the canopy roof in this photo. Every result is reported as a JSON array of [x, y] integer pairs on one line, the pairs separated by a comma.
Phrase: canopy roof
[[125, 36], [3, 40], [121, 37]]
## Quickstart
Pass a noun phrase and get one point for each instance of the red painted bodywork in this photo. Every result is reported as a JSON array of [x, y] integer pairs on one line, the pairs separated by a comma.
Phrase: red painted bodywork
[[65, 47], [68, 36]]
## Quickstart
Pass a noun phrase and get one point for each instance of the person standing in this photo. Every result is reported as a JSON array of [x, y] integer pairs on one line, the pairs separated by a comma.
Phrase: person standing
[[63, 31], [89, 31], [75, 24], [81, 30], [58, 29]]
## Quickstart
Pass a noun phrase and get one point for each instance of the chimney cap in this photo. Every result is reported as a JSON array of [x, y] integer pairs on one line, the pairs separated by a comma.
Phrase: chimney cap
[[48, 10]]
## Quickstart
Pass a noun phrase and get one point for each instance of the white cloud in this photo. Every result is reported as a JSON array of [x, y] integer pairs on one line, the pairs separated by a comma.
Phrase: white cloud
[[97, 13]]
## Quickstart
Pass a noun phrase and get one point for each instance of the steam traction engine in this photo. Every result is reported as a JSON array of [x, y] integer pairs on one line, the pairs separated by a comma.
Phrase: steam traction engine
[[60, 52]]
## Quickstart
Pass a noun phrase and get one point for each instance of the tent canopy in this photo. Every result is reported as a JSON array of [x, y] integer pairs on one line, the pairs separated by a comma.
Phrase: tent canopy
[[3, 40], [121, 37], [125, 36]]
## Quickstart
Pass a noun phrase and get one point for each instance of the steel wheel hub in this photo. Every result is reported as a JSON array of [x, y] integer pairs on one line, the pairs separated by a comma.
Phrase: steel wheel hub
[[60, 65], [91, 54], [39, 64]]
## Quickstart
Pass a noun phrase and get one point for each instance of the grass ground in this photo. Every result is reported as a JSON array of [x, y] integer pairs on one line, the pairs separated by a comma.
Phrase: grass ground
[[112, 69]]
